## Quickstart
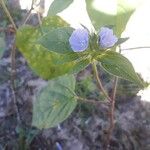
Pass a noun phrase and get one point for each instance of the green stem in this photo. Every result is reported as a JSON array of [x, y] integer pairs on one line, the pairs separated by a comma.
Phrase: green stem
[[8, 14], [94, 102], [99, 82], [114, 89]]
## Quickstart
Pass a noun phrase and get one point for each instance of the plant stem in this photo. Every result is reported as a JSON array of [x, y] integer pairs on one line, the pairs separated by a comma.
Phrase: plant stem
[[114, 88], [99, 82], [132, 48], [13, 76], [8, 14], [112, 110], [111, 114], [13, 63], [39, 19], [28, 14], [94, 102], [111, 104]]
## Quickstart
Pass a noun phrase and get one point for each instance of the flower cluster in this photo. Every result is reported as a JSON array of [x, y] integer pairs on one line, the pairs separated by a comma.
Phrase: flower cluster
[[79, 40]]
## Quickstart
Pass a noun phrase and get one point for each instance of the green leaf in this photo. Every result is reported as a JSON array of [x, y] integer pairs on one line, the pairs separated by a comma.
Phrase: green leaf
[[54, 103], [51, 22], [121, 40], [79, 65], [2, 46], [57, 40], [58, 6], [45, 63], [124, 11], [117, 15], [119, 65], [97, 16]]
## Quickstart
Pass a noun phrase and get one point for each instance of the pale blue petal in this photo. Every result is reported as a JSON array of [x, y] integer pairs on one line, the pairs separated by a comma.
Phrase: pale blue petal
[[107, 38], [79, 40]]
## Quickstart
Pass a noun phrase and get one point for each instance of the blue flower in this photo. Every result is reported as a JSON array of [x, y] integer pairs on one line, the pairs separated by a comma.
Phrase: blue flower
[[79, 40], [107, 38]]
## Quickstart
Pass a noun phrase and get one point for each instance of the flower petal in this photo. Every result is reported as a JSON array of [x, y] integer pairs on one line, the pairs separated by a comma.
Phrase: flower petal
[[79, 40], [106, 38]]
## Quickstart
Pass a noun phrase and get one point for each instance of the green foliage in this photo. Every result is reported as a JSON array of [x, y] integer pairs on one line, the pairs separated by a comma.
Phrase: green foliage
[[45, 63], [121, 40], [86, 87], [126, 89], [124, 11], [98, 17], [118, 17], [52, 22], [48, 52], [58, 6], [57, 40], [119, 65], [55, 102]]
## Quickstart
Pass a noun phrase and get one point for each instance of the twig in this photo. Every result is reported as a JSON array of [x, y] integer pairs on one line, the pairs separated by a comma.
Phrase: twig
[[8, 14], [39, 18], [29, 13], [99, 83], [111, 115], [13, 63], [135, 48], [13, 76]]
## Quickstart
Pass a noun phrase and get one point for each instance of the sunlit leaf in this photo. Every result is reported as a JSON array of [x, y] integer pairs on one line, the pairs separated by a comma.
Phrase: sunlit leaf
[[45, 63], [111, 12], [51, 22], [58, 6]]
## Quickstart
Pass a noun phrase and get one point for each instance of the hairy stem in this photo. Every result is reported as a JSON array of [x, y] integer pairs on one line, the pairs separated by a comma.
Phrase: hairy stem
[[8, 14], [99, 82]]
